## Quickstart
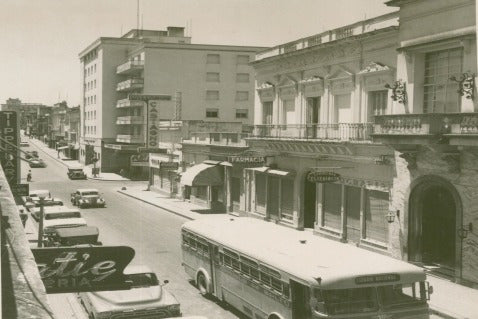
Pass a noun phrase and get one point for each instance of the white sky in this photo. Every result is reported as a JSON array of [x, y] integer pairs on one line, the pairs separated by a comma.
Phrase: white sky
[[40, 39]]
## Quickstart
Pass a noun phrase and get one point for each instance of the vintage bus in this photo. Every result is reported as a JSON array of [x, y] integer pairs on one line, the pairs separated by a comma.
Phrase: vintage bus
[[269, 271]]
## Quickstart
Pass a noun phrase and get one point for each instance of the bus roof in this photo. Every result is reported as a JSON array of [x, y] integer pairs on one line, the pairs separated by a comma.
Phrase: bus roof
[[59, 209], [303, 255]]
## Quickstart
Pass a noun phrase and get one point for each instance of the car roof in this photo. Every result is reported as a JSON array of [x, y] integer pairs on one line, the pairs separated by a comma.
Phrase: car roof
[[136, 269], [59, 209], [77, 231], [81, 190]]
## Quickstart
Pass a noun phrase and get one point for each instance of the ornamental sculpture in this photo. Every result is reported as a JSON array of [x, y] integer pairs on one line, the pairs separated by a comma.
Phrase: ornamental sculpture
[[399, 92], [466, 84]]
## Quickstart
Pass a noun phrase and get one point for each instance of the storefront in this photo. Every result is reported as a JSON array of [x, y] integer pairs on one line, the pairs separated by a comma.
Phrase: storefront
[[204, 185], [164, 173]]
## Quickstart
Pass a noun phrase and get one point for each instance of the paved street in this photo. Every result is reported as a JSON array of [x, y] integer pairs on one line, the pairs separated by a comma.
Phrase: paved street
[[152, 232]]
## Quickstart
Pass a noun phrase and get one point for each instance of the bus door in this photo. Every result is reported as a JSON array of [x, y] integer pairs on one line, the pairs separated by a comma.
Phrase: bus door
[[300, 300], [214, 265]]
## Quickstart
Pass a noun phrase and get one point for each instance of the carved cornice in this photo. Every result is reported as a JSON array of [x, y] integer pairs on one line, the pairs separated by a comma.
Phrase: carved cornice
[[375, 67]]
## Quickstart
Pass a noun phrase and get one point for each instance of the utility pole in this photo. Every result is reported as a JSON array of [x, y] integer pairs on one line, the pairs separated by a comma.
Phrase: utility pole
[[40, 224]]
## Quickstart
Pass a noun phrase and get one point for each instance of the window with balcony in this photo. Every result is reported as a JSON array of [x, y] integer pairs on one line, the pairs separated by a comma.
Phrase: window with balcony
[[242, 59], [342, 112], [242, 77], [212, 77], [288, 113], [213, 59], [440, 93], [377, 103], [242, 95], [212, 113], [241, 113], [212, 95], [266, 112]]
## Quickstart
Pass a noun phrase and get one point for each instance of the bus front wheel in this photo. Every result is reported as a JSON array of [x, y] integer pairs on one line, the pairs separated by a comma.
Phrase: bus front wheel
[[202, 284]]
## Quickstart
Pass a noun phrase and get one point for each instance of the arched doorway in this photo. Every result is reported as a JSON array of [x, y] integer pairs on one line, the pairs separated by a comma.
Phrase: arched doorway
[[434, 213]]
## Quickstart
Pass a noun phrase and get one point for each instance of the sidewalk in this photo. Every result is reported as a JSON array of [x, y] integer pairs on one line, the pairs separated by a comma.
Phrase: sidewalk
[[449, 300], [69, 163]]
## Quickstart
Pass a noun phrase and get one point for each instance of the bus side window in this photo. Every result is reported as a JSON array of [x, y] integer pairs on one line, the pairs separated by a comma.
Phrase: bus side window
[[286, 290], [276, 284], [265, 279], [185, 239]]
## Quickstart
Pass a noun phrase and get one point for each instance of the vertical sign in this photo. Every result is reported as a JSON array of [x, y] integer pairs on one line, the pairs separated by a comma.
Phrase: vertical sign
[[10, 155], [152, 135]]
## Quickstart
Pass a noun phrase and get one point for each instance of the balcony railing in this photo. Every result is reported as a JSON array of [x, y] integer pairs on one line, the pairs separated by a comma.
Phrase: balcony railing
[[339, 131], [129, 120], [131, 84], [130, 67], [455, 125], [224, 139], [126, 138], [128, 103]]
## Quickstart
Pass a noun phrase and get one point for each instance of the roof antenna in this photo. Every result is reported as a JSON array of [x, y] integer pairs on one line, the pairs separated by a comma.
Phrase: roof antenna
[[137, 14]]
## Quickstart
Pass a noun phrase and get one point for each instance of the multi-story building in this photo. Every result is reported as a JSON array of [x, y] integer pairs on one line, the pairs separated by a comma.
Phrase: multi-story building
[[368, 136], [205, 82], [29, 114], [72, 130], [57, 132]]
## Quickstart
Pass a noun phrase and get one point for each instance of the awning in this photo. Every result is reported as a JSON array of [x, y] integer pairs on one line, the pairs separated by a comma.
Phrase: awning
[[63, 147], [261, 169], [203, 175], [280, 172]]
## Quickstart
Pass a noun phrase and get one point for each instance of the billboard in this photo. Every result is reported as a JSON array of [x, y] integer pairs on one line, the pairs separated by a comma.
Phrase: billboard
[[10, 155], [153, 121]]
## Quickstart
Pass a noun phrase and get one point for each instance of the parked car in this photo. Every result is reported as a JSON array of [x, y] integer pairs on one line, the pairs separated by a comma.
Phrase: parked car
[[74, 236], [33, 199], [146, 299], [31, 154], [87, 197], [76, 173], [37, 163], [61, 217]]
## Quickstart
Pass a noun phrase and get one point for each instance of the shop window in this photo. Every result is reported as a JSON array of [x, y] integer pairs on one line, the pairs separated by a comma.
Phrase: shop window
[[332, 203], [440, 93], [376, 208], [287, 199], [201, 192], [273, 196], [352, 211], [260, 192], [235, 189]]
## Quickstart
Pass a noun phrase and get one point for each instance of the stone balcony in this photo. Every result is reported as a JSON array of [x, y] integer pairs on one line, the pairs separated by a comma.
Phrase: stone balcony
[[122, 120], [128, 138], [129, 103], [130, 85], [450, 128], [217, 138], [130, 67], [360, 132]]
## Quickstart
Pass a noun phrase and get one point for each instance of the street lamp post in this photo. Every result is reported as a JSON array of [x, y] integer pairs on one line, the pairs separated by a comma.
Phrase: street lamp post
[[40, 224]]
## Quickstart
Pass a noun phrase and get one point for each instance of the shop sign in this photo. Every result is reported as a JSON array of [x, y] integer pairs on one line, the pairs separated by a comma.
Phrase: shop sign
[[141, 159], [113, 146], [149, 97], [246, 159], [20, 189], [9, 158], [77, 269], [169, 165], [373, 279], [322, 177], [153, 119], [152, 150]]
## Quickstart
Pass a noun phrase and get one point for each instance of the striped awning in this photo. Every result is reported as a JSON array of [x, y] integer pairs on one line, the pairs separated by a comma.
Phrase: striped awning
[[203, 175]]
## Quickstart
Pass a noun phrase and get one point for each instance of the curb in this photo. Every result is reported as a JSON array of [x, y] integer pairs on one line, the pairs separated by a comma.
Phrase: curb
[[443, 314], [156, 205]]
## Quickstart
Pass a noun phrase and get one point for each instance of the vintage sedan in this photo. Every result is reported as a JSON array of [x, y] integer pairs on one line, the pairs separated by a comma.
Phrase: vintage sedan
[[146, 299], [61, 217], [76, 173], [87, 197], [73, 236], [37, 163], [32, 201]]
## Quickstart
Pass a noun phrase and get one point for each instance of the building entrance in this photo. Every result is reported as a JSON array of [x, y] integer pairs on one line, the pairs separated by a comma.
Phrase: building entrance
[[310, 203], [433, 239]]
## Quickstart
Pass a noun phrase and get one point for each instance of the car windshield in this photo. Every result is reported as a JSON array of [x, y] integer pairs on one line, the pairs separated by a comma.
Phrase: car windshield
[[63, 215], [346, 301], [89, 193], [142, 280], [402, 295]]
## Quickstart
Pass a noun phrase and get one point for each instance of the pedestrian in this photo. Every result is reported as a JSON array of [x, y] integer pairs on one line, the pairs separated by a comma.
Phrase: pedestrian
[[29, 175]]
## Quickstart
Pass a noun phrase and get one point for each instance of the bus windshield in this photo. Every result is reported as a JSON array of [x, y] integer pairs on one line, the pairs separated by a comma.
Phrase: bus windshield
[[368, 299]]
